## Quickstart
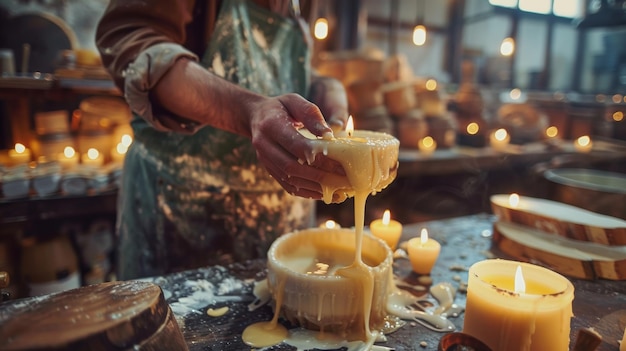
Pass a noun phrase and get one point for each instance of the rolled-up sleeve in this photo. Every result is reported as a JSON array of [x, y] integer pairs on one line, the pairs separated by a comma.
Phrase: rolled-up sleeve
[[139, 41]]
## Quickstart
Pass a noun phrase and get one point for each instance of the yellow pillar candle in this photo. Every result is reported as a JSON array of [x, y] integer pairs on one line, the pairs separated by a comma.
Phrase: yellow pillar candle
[[68, 158], [427, 145], [423, 252], [530, 312], [92, 158], [387, 229], [499, 139], [19, 154]]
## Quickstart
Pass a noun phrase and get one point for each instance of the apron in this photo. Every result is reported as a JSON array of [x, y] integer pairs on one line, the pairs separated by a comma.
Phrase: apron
[[188, 201]]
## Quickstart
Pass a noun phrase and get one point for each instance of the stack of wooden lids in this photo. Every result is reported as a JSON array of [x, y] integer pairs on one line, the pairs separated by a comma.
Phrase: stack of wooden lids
[[568, 239]]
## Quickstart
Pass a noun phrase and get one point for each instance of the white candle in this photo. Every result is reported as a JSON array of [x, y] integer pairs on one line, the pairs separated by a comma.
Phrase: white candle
[[508, 315], [19, 154], [499, 139], [583, 144], [69, 158], [387, 229], [427, 145], [92, 158], [423, 252]]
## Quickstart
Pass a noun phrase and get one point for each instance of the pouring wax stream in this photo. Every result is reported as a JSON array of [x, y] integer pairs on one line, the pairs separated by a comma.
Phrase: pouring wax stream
[[370, 161]]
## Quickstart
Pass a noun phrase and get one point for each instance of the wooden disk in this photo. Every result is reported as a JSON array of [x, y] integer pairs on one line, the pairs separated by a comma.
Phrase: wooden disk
[[573, 258], [561, 219], [108, 316]]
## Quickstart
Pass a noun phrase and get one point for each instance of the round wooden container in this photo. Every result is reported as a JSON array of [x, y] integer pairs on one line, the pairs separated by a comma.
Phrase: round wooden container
[[129, 315]]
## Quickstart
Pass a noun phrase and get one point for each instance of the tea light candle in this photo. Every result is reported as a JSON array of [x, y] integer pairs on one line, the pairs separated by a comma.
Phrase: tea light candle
[[19, 154], [423, 252], [427, 145], [330, 224], [529, 310], [69, 158], [499, 139], [583, 144], [387, 229], [92, 158]]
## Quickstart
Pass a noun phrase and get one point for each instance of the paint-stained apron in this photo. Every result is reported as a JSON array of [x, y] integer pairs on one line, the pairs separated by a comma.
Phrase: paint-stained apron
[[188, 201]]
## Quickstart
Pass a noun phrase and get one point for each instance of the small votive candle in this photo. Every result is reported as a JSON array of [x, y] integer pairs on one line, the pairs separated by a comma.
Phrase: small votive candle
[[499, 139], [20, 154], [427, 145], [68, 158], [330, 224], [423, 252], [518, 306], [583, 144], [387, 229], [92, 157]]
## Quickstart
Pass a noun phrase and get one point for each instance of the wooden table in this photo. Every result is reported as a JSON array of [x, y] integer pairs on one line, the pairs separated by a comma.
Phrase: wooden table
[[600, 304]]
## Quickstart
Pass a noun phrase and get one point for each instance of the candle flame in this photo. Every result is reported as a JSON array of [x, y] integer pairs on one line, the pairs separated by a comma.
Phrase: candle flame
[[20, 148], [424, 236], [514, 200], [93, 153], [69, 152], [386, 217], [350, 127], [428, 142], [520, 284], [321, 28], [472, 128], [127, 140], [330, 224], [552, 132], [121, 148], [500, 134], [431, 85], [583, 140]]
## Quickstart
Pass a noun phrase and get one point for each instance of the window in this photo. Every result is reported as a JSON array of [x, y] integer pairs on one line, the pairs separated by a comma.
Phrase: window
[[560, 8]]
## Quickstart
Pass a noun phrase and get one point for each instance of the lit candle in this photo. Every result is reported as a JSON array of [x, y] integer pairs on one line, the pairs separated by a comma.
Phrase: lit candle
[[499, 139], [427, 145], [387, 229], [330, 224], [552, 133], [529, 310], [583, 144], [423, 252], [69, 158], [19, 154], [92, 158], [369, 159]]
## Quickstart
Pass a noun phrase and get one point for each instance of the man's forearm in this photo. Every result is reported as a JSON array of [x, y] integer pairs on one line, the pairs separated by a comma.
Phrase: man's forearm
[[190, 91]]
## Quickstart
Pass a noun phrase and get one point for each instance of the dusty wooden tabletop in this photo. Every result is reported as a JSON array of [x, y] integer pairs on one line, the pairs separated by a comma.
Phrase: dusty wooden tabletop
[[600, 304]]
